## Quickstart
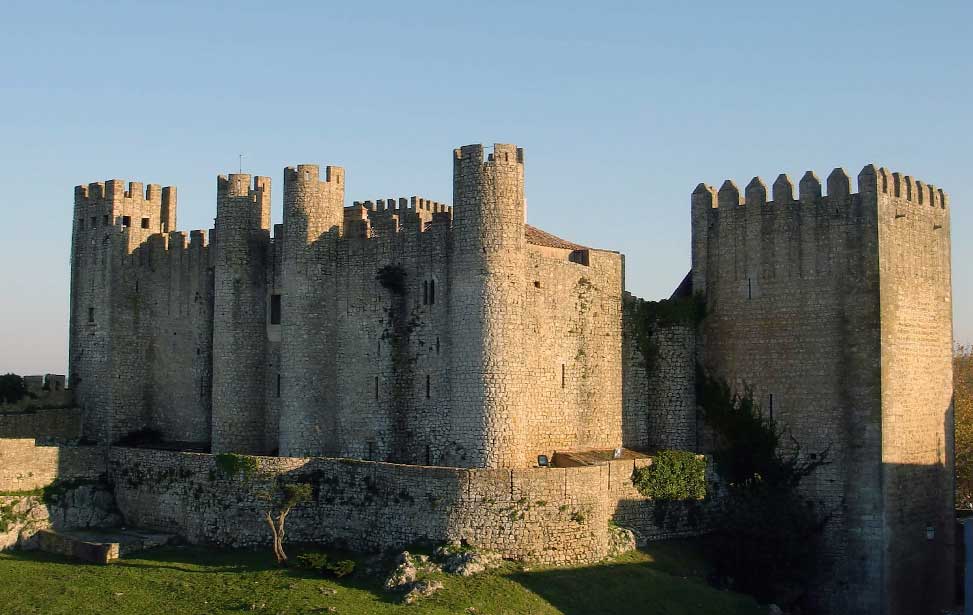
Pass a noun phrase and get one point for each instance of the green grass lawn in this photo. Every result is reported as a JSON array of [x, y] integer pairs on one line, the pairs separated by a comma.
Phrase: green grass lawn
[[664, 579]]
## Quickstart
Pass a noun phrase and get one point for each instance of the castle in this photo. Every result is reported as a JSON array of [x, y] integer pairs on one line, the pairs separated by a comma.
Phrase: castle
[[410, 331]]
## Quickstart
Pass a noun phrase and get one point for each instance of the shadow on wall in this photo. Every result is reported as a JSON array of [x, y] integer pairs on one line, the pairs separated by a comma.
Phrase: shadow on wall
[[920, 530]]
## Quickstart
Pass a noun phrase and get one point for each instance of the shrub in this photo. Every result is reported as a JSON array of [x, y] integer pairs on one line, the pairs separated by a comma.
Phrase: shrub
[[322, 564], [232, 464], [673, 475], [12, 389]]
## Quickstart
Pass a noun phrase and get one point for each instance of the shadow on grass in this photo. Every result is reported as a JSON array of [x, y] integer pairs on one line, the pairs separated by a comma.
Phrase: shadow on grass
[[665, 578]]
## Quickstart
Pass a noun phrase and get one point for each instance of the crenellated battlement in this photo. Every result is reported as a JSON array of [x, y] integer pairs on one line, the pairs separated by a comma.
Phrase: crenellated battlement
[[503, 153], [312, 173], [838, 184]]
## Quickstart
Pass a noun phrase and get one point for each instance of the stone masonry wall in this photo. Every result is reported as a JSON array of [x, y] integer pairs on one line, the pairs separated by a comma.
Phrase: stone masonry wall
[[48, 425], [25, 466], [549, 515], [659, 408]]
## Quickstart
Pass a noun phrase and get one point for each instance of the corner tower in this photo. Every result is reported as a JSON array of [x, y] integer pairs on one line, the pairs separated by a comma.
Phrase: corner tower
[[487, 302], [106, 349]]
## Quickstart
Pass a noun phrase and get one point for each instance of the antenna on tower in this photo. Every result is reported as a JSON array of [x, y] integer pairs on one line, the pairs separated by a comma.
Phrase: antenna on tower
[[241, 164]]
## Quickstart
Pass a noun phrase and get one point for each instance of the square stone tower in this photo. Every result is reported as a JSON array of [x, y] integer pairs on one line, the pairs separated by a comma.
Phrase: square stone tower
[[837, 310]]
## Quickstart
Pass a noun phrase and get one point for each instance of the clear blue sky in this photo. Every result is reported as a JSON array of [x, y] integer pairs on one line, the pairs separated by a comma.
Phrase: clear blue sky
[[622, 108]]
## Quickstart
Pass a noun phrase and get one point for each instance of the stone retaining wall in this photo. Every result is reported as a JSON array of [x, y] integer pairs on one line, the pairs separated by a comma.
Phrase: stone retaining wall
[[545, 515], [24, 466]]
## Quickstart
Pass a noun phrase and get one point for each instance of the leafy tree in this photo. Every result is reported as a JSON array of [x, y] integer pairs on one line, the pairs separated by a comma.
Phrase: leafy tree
[[281, 498], [766, 544], [12, 389], [963, 404]]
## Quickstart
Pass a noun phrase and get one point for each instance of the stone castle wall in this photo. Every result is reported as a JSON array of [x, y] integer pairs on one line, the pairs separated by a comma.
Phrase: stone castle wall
[[552, 515], [60, 425], [24, 466], [799, 308]]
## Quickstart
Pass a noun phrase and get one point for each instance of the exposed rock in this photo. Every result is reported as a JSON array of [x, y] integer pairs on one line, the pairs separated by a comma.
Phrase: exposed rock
[[421, 589], [455, 558], [620, 540]]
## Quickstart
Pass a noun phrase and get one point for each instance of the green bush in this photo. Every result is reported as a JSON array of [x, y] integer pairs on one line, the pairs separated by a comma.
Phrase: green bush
[[673, 475], [322, 564]]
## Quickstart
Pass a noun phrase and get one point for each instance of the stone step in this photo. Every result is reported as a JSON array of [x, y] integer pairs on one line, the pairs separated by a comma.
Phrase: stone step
[[100, 546]]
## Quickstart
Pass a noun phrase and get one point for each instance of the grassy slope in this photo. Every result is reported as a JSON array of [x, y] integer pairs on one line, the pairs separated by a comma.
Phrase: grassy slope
[[191, 580]]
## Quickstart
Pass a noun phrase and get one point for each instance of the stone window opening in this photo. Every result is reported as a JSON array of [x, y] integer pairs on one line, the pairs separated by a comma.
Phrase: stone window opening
[[126, 221], [432, 292], [275, 309], [371, 450], [749, 288], [145, 223], [80, 224], [376, 387], [91, 314], [437, 344], [563, 376], [278, 385], [428, 455], [770, 406], [106, 219], [428, 387], [425, 292], [94, 221]]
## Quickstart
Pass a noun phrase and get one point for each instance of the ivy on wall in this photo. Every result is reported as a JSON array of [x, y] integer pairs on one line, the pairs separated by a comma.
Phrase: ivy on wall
[[649, 316]]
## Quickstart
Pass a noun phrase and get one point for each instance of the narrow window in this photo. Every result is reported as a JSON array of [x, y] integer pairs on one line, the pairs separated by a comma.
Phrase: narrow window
[[80, 224], [145, 223], [749, 288], [376, 387], [771, 406], [432, 292], [278, 385], [563, 375], [428, 456], [425, 293], [94, 221], [275, 309], [106, 220], [126, 221], [91, 314], [437, 344], [427, 387]]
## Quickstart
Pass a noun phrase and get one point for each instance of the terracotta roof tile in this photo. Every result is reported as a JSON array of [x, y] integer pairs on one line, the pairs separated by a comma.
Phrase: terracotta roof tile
[[538, 237]]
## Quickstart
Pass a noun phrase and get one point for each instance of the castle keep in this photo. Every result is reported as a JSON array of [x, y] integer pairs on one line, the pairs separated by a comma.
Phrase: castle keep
[[410, 331]]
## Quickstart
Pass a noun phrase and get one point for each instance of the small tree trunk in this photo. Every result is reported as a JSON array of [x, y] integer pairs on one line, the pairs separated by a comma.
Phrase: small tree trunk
[[278, 549]]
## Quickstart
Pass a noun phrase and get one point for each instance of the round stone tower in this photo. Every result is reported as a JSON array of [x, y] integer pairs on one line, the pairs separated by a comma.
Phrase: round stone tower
[[240, 313], [487, 304]]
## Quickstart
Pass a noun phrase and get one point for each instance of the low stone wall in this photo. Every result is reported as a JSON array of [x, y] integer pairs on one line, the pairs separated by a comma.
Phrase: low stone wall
[[78, 505], [24, 466], [545, 515], [46, 425]]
